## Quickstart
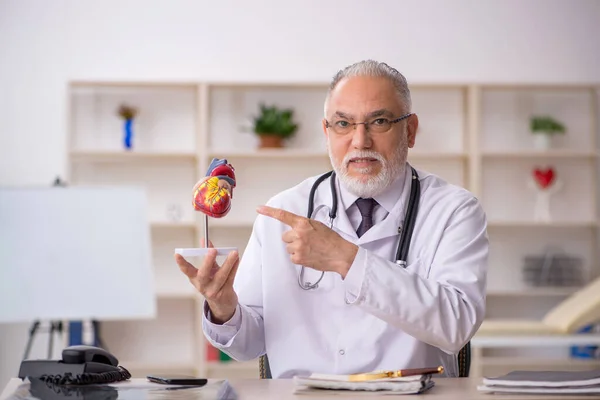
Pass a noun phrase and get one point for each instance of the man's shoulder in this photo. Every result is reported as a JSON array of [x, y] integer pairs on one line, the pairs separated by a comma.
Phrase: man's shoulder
[[294, 194], [443, 191]]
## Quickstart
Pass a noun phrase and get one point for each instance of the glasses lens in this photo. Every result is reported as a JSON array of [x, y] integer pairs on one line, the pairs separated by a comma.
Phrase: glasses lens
[[341, 126], [380, 125]]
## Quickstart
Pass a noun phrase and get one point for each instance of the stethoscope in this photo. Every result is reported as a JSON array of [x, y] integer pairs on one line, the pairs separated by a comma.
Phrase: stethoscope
[[405, 237]]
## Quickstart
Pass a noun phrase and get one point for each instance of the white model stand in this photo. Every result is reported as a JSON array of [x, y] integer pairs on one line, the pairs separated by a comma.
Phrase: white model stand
[[542, 202], [201, 251]]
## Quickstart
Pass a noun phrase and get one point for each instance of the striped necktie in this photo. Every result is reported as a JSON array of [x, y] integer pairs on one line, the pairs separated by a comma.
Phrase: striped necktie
[[365, 206]]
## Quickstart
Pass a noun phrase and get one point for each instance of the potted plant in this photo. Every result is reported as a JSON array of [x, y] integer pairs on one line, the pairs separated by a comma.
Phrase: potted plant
[[543, 129], [273, 125]]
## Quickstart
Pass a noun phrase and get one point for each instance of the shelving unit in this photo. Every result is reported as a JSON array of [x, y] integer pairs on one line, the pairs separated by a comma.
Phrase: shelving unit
[[476, 136], [507, 157]]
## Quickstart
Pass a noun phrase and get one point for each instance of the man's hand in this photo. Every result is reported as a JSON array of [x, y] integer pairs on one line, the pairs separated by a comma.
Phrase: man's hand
[[214, 283], [312, 243]]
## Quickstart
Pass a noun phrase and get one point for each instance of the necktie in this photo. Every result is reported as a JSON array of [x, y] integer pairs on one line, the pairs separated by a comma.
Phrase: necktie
[[365, 206]]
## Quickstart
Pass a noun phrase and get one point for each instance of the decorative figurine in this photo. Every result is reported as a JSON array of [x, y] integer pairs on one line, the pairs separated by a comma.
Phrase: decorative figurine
[[212, 196], [174, 212], [545, 184], [128, 113]]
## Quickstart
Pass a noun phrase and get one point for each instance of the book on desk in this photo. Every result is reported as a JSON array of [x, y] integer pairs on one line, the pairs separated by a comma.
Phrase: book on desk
[[544, 382], [408, 381]]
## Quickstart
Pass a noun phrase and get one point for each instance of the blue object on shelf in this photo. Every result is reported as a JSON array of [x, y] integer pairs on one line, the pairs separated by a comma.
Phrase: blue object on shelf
[[75, 333], [128, 133], [585, 351]]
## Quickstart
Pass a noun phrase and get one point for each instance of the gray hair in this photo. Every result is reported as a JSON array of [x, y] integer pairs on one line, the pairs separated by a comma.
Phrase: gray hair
[[374, 69]]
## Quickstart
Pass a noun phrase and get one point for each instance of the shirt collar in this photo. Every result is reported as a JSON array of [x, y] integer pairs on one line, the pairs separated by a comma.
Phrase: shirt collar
[[387, 199]]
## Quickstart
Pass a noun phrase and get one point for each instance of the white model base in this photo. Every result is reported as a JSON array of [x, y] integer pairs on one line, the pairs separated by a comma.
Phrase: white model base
[[201, 251]]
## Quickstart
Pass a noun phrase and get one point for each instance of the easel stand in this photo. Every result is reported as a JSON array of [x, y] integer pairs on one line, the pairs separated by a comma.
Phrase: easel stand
[[55, 326]]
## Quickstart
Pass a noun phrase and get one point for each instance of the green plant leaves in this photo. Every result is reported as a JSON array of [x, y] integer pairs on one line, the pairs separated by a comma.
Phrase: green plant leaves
[[274, 121], [545, 124]]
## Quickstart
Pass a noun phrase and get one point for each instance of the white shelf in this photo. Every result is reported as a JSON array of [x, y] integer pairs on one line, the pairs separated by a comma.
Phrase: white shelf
[[542, 361], [542, 154], [230, 223], [541, 225], [439, 155], [121, 156], [268, 153], [171, 225], [183, 295], [532, 292], [473, 135], [535, 341]]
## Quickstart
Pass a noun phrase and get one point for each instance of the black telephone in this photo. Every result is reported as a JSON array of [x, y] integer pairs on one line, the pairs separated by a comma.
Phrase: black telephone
[[79, 365]]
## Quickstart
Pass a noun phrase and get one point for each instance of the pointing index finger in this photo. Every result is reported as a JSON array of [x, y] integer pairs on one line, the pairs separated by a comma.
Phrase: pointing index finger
[[286, 217]]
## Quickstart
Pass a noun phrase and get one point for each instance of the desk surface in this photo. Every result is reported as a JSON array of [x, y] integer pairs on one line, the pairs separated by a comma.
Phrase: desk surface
[[283, 389]]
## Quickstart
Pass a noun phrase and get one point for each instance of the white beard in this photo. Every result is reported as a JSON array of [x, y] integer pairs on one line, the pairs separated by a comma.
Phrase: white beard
[[370, 186]]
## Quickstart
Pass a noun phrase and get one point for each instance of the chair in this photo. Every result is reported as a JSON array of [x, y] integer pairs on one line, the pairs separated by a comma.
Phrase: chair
[[464, 363]]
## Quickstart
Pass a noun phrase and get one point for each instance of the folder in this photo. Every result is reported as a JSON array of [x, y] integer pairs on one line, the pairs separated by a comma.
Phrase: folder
[[544, 382], [409, 381]]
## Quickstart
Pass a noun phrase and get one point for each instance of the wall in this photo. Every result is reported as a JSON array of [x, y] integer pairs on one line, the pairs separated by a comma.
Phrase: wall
[[43, 44]]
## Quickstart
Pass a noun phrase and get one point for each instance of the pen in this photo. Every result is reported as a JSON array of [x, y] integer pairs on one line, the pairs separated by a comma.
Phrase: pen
[[395, 374]]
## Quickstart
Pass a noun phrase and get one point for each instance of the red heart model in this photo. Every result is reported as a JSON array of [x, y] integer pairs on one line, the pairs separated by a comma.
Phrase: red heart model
[[544, 178], [213, 193]]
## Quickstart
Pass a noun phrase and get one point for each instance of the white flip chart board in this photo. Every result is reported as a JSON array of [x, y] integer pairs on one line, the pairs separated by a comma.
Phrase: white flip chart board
[[75, 253]]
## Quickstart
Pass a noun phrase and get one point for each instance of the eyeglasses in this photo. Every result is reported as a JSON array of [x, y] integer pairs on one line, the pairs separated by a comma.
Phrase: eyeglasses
[[376, 125]]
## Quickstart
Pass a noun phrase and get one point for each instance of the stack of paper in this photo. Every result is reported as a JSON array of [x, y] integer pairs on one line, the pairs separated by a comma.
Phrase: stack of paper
[[403, 385], [544, 382]]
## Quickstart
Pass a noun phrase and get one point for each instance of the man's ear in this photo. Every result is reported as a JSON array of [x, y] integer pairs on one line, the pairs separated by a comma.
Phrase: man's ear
[[412, 128], [324, 125]]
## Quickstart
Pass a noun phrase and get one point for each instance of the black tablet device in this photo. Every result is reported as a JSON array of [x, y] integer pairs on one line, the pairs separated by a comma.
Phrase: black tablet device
[[177, 380]]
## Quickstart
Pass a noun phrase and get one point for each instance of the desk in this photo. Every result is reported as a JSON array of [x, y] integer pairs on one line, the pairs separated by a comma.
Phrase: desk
[[282, 389]]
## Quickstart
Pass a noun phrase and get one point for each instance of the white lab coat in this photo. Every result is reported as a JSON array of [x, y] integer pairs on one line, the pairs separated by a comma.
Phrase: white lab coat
[[382, 316]]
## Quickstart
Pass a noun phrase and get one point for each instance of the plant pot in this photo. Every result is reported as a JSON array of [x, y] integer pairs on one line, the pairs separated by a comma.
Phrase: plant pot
[[542, 141], [270, 141]]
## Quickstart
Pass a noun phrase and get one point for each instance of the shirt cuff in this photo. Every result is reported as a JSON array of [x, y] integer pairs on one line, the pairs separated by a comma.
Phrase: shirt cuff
[[221, 334], [355, 278]]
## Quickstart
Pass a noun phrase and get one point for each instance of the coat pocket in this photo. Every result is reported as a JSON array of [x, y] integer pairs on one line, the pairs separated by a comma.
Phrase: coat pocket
[[419, 266]]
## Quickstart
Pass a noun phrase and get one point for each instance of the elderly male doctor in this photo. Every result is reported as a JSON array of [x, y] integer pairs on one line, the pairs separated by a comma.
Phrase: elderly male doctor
[[367, 312]]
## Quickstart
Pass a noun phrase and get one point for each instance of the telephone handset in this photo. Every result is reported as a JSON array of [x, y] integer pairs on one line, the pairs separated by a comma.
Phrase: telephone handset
[[80, 364]]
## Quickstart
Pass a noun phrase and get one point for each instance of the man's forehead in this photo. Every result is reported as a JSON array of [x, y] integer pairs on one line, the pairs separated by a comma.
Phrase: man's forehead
[[380, 112], [363, 96]]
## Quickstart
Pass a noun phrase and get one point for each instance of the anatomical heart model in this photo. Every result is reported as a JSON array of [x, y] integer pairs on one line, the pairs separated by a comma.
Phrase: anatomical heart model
[[545, 183], [212, 196]]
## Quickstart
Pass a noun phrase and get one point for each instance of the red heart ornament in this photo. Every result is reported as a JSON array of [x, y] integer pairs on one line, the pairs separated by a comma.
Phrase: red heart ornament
[[544, 178], [213, 194]]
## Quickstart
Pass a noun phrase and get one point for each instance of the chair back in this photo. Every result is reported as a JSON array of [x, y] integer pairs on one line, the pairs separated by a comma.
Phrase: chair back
[[464, 363]]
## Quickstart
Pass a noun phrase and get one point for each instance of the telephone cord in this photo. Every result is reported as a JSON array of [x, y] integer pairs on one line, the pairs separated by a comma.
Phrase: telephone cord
[[88, 378]]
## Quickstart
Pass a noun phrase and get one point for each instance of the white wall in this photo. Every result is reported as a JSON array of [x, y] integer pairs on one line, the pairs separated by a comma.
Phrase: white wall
[[45, 43]]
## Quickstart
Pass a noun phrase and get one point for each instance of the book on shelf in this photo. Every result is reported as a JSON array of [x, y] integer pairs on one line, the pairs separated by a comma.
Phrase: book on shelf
[[540, 382], [216, 355]]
